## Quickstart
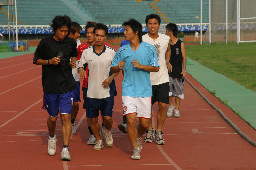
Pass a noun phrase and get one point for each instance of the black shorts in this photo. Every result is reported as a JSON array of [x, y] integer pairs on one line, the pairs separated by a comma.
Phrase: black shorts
[[161, 93]]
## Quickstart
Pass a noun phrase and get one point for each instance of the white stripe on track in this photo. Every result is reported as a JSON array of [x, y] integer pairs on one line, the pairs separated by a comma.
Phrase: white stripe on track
[[19, 114], [164, 153], [17, 72], [16, 65], [19, 85], [15, 59]]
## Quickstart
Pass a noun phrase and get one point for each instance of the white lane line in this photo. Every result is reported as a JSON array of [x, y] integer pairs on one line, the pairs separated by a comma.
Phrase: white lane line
[[15, 59], [164, 153], [125, 165], [19, 85], [19, 114], [17, 72], [15, 65], [65, 164]]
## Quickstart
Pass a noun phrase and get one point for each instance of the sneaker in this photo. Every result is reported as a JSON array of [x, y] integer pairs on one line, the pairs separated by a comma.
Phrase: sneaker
[[122, 127], [170, 111], [108, 138], [176, 113], [52, 145], [65, 156], [136, 154], [91, 140], [98, 146], [159, 138], [149, 136], [139, 143], [73, 128]]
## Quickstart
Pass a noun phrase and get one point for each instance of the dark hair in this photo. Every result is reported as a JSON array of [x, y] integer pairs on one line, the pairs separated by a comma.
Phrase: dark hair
[[173, 28], [135, 26], [153, 16], [100, 26], [90, 24], [60, 21], [75, 27]]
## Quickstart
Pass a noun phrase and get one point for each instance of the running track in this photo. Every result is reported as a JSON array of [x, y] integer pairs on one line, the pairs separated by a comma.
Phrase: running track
[[200, 139]]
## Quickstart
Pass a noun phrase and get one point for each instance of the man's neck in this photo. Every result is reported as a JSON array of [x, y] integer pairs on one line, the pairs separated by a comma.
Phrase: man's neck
[[91, 43], [135, 44], [153, 36], [99, 48], [56, 38], [174, 40]]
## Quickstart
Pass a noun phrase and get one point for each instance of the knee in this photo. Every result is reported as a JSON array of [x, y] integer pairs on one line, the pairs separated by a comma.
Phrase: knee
[[162, 106], [65, 118], [52, 119], [107, 118], [76, 104], [131, 122], [94, 121]]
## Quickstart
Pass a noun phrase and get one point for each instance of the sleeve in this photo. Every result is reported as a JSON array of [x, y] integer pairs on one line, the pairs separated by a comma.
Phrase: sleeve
[[153, 57], [80, 50], [74, 50], [39, 53], [83, 59], [117, 58]]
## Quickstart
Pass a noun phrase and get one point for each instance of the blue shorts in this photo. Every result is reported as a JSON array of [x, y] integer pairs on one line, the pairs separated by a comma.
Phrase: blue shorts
[[77, 92], [93, 106], [58, 102]]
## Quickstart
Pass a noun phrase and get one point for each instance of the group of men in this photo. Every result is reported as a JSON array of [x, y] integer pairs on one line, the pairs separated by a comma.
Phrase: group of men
[[153, 66]]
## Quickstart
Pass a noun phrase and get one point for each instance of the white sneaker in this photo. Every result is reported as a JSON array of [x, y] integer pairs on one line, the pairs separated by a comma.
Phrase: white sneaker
[[52, 145], [139, 143], [98, 146], [170, 111], [92, 140], [136, 154], [176, 113], [73, 128], [108, 138], [65, 156]]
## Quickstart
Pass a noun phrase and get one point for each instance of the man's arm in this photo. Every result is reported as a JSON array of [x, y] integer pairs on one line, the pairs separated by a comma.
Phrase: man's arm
[[52, 61], [73, 62], [149, 68], [183, 51], [108, 81], [168, 56]]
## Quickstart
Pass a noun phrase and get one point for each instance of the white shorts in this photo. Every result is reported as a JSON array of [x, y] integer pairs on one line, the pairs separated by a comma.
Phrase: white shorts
[[139, 105]]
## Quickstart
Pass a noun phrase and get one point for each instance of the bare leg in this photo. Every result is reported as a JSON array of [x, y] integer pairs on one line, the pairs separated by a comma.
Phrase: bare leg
[[171, 101], [150, 126], [161, 115], [131, 129], [177, 103], [143, 125], [51, 123], [108, 122], [75, 109], [95, 128], [66, 128]]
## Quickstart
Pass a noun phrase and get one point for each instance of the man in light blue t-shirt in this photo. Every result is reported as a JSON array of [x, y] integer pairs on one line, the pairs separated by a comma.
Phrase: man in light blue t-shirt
[[137, 60]]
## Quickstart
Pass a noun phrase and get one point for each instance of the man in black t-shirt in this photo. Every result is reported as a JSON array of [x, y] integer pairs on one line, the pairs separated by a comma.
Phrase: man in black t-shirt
[[177, 71], [57, 55]]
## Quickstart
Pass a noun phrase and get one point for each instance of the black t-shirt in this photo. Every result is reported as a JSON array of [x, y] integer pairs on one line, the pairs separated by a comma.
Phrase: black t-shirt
[[57, 79], [176, 60]]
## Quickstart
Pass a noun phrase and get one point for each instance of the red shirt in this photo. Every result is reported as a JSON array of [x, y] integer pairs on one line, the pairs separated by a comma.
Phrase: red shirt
[[80, 50]]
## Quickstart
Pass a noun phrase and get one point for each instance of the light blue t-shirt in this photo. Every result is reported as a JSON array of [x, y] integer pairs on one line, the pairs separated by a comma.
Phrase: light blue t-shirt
[[136, 82]]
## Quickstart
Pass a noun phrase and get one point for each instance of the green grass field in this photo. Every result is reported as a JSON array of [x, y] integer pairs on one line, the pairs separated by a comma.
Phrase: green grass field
[[237, 62]]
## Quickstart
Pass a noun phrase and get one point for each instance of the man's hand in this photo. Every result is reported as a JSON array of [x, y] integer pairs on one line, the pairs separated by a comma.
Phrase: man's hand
[[54, 60], [81, 73], [183, 74], [107, 82], [72, 64], [136, 64], [121, 65], [169, 66]]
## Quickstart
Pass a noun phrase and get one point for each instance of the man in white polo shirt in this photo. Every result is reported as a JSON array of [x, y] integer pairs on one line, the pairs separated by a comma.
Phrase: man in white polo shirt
[[101, 88], [160, 79]]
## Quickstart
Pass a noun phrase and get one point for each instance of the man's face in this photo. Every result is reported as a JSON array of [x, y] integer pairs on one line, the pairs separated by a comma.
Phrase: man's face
[[128, 33], [61, 33], [75, 36], [100, 37], [169, 33], [89, 34], [153, 26]]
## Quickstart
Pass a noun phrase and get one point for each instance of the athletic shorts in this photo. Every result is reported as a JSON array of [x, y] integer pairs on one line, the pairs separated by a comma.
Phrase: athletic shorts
[[161, 93], [93, 106], [176, 87], [77, 93], [139, 105], [54, 103], [84, 96]]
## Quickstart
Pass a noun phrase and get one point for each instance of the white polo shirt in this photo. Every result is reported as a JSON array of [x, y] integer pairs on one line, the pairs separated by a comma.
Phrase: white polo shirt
[[99, 66], [160, 44]]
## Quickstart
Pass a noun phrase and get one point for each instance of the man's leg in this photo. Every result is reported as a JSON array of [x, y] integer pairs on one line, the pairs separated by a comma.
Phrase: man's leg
[[66, 128], [96, 132], [150, 131], [171, 107], [131, 129], [107, 125], [92, 139], [177, 107], [51, 123], [143, 125], [161, 115], [75, 109], [123, 127]]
